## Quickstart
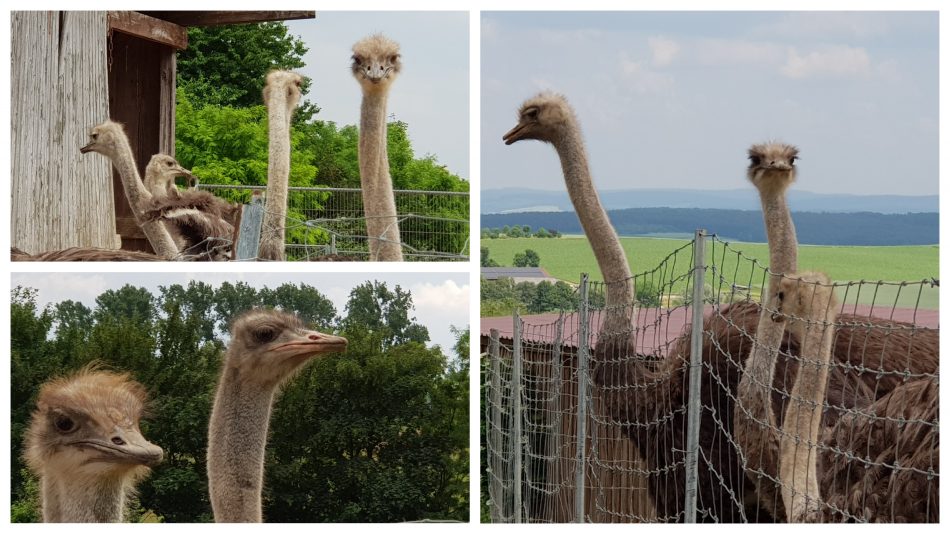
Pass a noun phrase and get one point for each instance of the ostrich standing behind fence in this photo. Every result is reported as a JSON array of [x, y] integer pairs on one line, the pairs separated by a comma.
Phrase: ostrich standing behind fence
[[376, 64]]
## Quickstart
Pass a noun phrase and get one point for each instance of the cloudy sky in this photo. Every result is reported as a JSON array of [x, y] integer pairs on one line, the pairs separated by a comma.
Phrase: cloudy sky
[[672, 100], [432, 92], [441, 299]]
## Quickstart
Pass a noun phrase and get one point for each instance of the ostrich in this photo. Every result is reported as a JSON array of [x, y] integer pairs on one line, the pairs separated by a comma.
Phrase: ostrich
[[109, 139], [376, 63], [549, 118], [85, 446], [162, 184], [281, 96], [807, 302], [771, 170], [267, 347], [647, 398], [83, 254], [199, 222]]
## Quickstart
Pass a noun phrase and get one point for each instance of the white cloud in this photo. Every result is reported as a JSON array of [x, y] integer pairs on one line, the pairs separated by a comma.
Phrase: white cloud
[[57, 287], [641, 79], [446, 298], [664, 50], [848, 25], [835, 62], [734, 51]]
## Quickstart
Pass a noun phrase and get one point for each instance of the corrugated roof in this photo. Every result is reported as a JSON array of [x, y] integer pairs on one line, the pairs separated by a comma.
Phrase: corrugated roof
[[494, 273]]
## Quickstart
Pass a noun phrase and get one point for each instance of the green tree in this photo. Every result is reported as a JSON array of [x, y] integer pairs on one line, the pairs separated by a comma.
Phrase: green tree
[[486, 261], [528, 258]]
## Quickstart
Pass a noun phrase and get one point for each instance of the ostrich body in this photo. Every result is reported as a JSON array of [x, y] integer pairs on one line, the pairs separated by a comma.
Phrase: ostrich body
[[807, 303], [84, 254], [110, 140], [376, 64], [771, 170], [85, 446], [281, 96], [199, 222], [550, 118], [267, 347]]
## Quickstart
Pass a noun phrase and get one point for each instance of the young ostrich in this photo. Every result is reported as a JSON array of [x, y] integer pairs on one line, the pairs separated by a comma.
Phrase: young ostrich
[[281, 96], [267, 347], [109, 139], [160, 183], [376, 63], [771, 171], [549, 118], [199, 222], [807, 303], [85, 446]]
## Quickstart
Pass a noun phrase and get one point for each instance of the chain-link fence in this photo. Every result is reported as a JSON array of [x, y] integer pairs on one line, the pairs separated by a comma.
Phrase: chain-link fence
[[329, 223], [674, 416]]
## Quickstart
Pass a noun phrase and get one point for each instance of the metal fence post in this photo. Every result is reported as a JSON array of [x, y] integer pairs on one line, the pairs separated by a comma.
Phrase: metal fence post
[[582, 357], [516, 413], [694, 406], [496, 501]]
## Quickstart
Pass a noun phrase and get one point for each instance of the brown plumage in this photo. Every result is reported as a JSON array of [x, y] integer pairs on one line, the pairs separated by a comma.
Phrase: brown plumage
[[871, 357], [85, 445], [83, 254], [200, 223]]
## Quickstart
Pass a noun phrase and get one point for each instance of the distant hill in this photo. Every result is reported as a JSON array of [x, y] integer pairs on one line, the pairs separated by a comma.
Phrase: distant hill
[[862, 228], [519, 199]]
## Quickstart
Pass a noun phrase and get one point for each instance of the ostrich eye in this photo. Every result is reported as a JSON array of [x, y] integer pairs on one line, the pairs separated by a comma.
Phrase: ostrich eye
[[754, 161], [64, 424], [93, 136], [791, 160], [265, 335], [168, 163], [531, 113], [357, 60]]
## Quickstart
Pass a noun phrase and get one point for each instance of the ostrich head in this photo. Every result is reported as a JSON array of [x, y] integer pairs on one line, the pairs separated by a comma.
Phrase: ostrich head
[[87, 425], [164, 168], [772, 166], [544, 117], [268, 346], [106, 139], [285, 80], [376, 62], [802, 297]]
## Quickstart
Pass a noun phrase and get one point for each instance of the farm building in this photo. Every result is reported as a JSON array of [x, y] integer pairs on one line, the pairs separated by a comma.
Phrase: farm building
[[70, 71]]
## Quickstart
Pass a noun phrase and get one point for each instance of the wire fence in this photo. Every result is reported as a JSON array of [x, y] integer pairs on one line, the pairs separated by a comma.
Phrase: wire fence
[[695, 402], [329, 223]]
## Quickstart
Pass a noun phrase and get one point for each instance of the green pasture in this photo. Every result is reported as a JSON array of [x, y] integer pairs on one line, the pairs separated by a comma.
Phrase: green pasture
[[565, 258]]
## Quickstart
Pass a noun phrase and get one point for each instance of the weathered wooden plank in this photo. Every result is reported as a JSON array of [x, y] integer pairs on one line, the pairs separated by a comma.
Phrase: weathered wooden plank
[[59, 89], [166, 102], [129, 229], [149, 28], [217, 18], [249, 235]]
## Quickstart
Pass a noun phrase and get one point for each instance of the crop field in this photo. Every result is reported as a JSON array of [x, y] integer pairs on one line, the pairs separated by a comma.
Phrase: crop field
[[565, 258]]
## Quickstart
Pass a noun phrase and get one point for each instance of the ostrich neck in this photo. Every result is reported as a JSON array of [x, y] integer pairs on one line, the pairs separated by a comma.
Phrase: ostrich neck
[[137, 195], [600, 234], [278, 176], [83, 499], [236, 440], [379, 203], [798, 468], [780, 231]]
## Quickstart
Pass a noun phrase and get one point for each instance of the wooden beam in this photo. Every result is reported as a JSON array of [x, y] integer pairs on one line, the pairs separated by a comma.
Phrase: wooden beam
[[218, 18], [149, 28]]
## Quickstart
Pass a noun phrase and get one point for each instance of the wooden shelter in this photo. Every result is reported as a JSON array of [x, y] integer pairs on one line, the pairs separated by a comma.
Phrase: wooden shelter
[[72, 70]]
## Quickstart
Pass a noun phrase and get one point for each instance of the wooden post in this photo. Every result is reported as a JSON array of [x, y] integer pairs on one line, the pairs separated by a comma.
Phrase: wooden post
[[249, 238]]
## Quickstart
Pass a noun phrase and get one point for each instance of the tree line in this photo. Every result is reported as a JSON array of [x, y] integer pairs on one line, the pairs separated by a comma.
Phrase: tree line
[[221, 134], [378, 434], [862, 228]]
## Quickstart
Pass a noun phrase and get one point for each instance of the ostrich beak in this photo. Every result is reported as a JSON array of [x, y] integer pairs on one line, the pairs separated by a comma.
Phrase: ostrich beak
[[514, 134], [86, 148], [312, 343], [181, 171], [124, 446]]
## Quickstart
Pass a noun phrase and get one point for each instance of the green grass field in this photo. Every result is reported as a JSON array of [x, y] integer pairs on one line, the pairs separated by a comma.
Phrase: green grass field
[[565, 258]]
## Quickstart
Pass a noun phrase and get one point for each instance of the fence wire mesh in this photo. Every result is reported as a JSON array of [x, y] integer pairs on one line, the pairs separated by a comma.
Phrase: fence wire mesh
[[329, 223], [837, 416]]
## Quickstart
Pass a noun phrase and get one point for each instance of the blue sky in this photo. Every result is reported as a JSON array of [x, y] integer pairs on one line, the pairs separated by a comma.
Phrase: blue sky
[[441, 299], [672, 100], [432, 92]]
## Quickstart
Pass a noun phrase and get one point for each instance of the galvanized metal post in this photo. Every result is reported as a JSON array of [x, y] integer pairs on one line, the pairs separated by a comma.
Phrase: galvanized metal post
[[583, 354], [495, 488], [694, 403], [516, 413], [249, 237]]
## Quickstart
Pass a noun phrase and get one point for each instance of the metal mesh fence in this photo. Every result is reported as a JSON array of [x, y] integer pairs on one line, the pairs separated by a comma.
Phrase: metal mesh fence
[[706, 405], [327, 223]]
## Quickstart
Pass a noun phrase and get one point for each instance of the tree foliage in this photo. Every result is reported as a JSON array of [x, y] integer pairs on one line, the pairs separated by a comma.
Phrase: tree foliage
[[377, 434]]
